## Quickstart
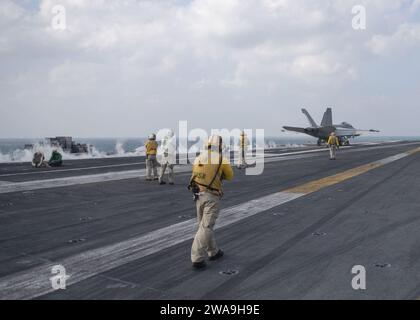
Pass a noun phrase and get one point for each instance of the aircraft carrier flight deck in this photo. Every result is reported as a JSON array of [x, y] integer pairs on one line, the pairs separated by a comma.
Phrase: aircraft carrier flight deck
[[293, 232]]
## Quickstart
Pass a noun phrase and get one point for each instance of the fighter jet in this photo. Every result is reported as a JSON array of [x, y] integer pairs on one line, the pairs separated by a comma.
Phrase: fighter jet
[[344, 131]]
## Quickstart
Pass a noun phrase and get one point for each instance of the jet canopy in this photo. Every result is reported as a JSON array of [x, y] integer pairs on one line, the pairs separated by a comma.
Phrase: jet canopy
[[346, 125]]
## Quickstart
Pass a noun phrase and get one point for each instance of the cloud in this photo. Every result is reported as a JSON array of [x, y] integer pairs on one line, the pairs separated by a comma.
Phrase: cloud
[[404, 38], [314, 64], [122, 61], [415, 6], [9, 12]]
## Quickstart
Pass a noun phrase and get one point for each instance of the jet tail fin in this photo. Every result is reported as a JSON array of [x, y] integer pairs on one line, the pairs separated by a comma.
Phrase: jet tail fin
[[327, 119], [311, 121]]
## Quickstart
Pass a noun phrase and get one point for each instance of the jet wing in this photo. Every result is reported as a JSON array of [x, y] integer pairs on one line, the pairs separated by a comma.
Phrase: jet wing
[[295, 129], [361, 131]]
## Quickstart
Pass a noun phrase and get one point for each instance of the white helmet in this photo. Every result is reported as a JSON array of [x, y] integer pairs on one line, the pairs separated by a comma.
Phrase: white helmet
[[152, 136], [170, 133], [214, 141]]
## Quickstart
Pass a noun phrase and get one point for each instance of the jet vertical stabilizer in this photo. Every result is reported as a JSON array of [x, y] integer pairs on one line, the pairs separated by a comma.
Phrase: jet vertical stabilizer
[[327, 119], [311, 121]]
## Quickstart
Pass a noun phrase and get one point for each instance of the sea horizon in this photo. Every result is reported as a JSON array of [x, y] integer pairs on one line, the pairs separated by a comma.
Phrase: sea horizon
[[13, 149]]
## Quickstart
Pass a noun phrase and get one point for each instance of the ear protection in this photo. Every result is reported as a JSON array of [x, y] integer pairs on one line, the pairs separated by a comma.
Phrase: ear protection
[[220, 145]]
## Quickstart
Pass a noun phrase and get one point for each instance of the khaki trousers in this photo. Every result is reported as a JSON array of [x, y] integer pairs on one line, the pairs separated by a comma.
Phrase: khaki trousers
[[204, 244], [333, 151], [151, 165], [171, 174]]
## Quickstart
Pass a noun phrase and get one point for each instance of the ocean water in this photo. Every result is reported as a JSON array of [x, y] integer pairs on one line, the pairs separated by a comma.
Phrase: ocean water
[[12, 150]]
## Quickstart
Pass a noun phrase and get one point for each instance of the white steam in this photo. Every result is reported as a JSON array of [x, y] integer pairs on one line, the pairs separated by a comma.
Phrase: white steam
[[26, 155]]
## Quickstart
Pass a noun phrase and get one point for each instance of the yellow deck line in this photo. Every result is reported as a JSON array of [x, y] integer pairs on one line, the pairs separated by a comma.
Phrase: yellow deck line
[[317, 185], [413, 151]]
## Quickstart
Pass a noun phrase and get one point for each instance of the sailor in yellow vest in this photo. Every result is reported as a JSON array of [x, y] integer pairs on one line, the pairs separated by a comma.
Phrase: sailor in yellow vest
[[209, 170], [167, 157], [243, 146], [334, 144], [151, 162]]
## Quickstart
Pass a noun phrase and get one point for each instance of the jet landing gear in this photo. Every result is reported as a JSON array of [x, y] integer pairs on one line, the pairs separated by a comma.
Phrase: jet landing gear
[[319, 143], [344, 142]]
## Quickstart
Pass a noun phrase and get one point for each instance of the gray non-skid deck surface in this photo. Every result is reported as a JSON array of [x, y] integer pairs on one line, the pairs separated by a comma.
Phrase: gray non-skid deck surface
[[372, 219], [20, 172]]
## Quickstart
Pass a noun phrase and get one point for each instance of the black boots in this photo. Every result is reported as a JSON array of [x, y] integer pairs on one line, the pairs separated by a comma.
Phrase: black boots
[[199, 265], [202, 264], [218, 255]]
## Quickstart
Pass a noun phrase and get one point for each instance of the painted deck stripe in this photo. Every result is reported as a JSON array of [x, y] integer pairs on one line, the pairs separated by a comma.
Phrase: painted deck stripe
[[267, 155], [9, 187], [133, 174], [77, 180], [316, 185], [35, 282], [72, 169]]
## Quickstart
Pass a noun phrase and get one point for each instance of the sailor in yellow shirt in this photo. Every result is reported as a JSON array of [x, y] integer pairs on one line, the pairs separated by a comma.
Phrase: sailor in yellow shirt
[[334, 144], [151, 161], [243, 146], [209, 170]]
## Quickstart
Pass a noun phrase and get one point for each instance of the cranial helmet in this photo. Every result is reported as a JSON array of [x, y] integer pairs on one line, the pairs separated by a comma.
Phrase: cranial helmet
[[215, 141], [152, 136], [170, 133]]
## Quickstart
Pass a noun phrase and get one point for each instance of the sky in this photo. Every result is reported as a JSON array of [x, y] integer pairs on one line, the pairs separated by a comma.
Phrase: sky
[[126, 68]]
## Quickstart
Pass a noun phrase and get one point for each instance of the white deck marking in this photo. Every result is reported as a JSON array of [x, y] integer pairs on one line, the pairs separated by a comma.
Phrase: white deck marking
[[267, 155], [77, 180], [72, 169], [35, 282], [132, 174], [392, 159]]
